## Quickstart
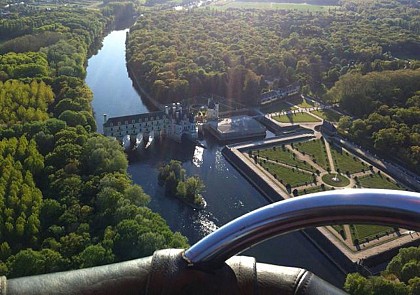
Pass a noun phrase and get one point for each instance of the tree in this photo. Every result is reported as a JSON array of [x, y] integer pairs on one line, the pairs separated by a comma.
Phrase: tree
[[102, 155], [26, 262], [95, 255], [136, 195], [356, 284]]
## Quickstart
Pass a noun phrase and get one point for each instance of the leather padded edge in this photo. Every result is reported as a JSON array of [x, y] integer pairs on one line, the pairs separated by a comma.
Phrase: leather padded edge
[[311, 284]]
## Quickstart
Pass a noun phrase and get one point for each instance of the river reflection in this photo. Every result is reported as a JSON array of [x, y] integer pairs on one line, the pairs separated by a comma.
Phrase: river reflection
[[227, 193], [198, 156]]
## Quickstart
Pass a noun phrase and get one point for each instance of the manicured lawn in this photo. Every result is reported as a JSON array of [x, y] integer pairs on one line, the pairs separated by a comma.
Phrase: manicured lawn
[[301, 102], [287, 175], [270, 5], [284, 156], [363, 231], [276, 107], [378, 181], [316, 149], [296, 118], [343, 180], [346, 162], [328, 115], [315, 189]]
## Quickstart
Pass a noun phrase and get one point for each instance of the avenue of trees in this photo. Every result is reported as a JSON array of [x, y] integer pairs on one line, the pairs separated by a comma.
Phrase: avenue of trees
[[66, 200], [402, 276], [237, 54]]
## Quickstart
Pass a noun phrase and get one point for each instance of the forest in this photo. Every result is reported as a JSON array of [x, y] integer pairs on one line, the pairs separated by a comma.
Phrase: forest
[[386, 106], [66, 200], [401, 276], [364, 56], [238, 54]]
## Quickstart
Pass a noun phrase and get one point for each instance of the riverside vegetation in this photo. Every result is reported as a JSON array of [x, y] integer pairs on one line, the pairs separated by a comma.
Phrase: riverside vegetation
[[363, 56], [172, 177], [66, 200]]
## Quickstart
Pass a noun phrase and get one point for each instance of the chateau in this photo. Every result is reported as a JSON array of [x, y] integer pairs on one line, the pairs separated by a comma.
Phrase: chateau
[[174, 122]]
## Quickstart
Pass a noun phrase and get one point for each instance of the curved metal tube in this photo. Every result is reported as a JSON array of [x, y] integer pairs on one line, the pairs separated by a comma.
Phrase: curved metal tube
[[384, 207]]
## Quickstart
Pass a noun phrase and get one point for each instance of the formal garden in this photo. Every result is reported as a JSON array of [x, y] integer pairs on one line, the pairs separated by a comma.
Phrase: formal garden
[[318, 165]]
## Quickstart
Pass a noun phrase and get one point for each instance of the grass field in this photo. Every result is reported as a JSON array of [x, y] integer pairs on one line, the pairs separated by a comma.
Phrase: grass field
[[296, 118], [270, 5], [285, 157], [301, 102], [377, 181], [315, 189], [328, 115], [346, 162], [276, 107], [315, 149], [287, 175], [363, 231]]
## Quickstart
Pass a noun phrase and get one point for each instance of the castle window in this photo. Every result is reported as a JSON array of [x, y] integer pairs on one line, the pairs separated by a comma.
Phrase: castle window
[[133, 121]]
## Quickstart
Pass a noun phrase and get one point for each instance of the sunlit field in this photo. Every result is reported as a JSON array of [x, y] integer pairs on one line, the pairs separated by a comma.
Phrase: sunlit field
[[272, 5]]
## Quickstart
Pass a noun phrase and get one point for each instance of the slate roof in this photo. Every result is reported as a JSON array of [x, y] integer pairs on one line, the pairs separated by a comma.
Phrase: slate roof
[[130, 118]]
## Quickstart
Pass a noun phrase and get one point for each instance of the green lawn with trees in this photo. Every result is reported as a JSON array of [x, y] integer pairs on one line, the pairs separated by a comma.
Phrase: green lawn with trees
[[345, 162], [364, 231], [376, 180], [287, 175], [285, 156], [296, 118], [315, 149], [327, 114]]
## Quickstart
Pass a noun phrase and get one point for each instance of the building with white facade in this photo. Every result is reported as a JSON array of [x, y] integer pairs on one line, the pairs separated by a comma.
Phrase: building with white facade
[[275, 95], [174, 122]]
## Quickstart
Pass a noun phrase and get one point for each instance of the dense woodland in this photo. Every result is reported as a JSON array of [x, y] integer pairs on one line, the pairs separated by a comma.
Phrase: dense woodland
[[238, 54], [401, 276], [364, 56], [387, 109], [66, 200]]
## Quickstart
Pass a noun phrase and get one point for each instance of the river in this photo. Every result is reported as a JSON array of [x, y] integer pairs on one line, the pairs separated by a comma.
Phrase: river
[[228, 194]]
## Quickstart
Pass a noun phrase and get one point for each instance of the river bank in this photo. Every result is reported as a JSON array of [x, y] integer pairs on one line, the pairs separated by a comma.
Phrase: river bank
[[228, 194]]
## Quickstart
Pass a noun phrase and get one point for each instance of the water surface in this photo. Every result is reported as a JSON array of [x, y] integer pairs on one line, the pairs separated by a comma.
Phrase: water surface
[[227, 193]]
